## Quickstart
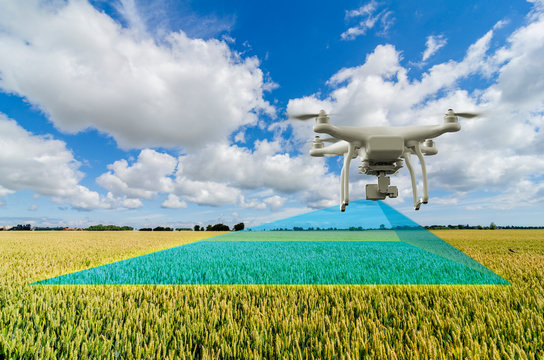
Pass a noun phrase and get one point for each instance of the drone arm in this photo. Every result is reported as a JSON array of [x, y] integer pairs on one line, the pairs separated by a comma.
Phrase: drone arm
[[423, 172], [424, 132], [338, 148], [346, 133], [406, 157]]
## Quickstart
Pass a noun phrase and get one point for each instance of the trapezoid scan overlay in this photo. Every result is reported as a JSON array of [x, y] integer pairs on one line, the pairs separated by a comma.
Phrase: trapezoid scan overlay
[[371, 243]]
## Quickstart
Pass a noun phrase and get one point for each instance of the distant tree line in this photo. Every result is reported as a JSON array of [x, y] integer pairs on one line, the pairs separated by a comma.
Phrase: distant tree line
[[491, 226], [241, 226], [351, 228], [216, 227], [219, 227], [101, 227], [20, 227], [158, 228], [47, 228]]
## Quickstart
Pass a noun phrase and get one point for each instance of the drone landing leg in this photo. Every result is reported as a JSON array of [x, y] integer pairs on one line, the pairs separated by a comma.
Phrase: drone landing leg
[[345, 179], [425, 199], [342, 205], [406, 157]]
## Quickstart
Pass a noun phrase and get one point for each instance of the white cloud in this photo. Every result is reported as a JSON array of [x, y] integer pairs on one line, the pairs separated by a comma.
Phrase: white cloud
[[148, 176], [268, 166], [275, 202], [523, 194], [131, 203], [41, 164], [222, 175], [240, 137], [433, 44], [368, 18], [84, 70], [252, 204], [209, 193], [173, 202], [129, 10]]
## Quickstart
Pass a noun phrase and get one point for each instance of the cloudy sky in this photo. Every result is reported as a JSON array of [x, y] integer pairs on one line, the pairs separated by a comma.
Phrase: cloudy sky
[[174, 113]]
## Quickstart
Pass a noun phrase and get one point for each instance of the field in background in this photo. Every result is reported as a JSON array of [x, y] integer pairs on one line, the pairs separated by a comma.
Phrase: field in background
[[264, 321]]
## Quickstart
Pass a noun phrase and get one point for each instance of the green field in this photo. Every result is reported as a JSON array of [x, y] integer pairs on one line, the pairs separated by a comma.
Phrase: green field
[[253, 321], [338, 235]]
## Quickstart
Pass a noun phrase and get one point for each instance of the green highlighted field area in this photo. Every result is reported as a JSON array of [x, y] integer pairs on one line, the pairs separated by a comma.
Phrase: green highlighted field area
[[372, 244], [280, 257]]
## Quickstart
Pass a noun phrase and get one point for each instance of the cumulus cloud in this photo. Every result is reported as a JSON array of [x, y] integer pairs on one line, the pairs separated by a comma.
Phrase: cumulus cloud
[[211, 193], [368, 17], [173, 202], [275, 202], [41, 164], [148, 176], [267, 166], [221, 175], [83, 69]]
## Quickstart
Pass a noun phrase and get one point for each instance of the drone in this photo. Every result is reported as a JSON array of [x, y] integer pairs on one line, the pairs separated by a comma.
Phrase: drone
[[383, 151]]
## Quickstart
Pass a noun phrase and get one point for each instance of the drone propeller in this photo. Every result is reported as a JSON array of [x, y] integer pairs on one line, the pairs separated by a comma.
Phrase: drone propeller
[[304, 116], [309, 116], [467, 115]]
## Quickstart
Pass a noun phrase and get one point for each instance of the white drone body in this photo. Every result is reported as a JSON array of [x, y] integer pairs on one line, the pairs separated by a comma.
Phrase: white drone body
[[382, 150]]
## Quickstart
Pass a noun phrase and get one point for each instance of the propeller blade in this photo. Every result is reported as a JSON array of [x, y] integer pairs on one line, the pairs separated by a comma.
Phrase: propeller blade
[[467, 115], [304, 116]]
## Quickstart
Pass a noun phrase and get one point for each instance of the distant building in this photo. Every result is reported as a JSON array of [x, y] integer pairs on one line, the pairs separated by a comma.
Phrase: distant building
[[6, 227]]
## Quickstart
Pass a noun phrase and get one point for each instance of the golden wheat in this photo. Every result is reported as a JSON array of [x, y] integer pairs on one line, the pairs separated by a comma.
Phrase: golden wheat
[[167, 322]]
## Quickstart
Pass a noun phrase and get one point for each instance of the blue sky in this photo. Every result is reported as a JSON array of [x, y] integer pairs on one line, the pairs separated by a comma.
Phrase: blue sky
[[174, 113]]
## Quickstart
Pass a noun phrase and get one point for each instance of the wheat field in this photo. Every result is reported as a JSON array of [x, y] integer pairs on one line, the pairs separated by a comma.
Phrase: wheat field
[[251, 321]]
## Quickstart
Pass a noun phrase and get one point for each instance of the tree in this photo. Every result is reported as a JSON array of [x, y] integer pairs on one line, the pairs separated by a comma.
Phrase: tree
[[209, 228], [220, 227], [197, 227], [492, 226], [161, 228], [101, 227], [239, 227], [20, 227]]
